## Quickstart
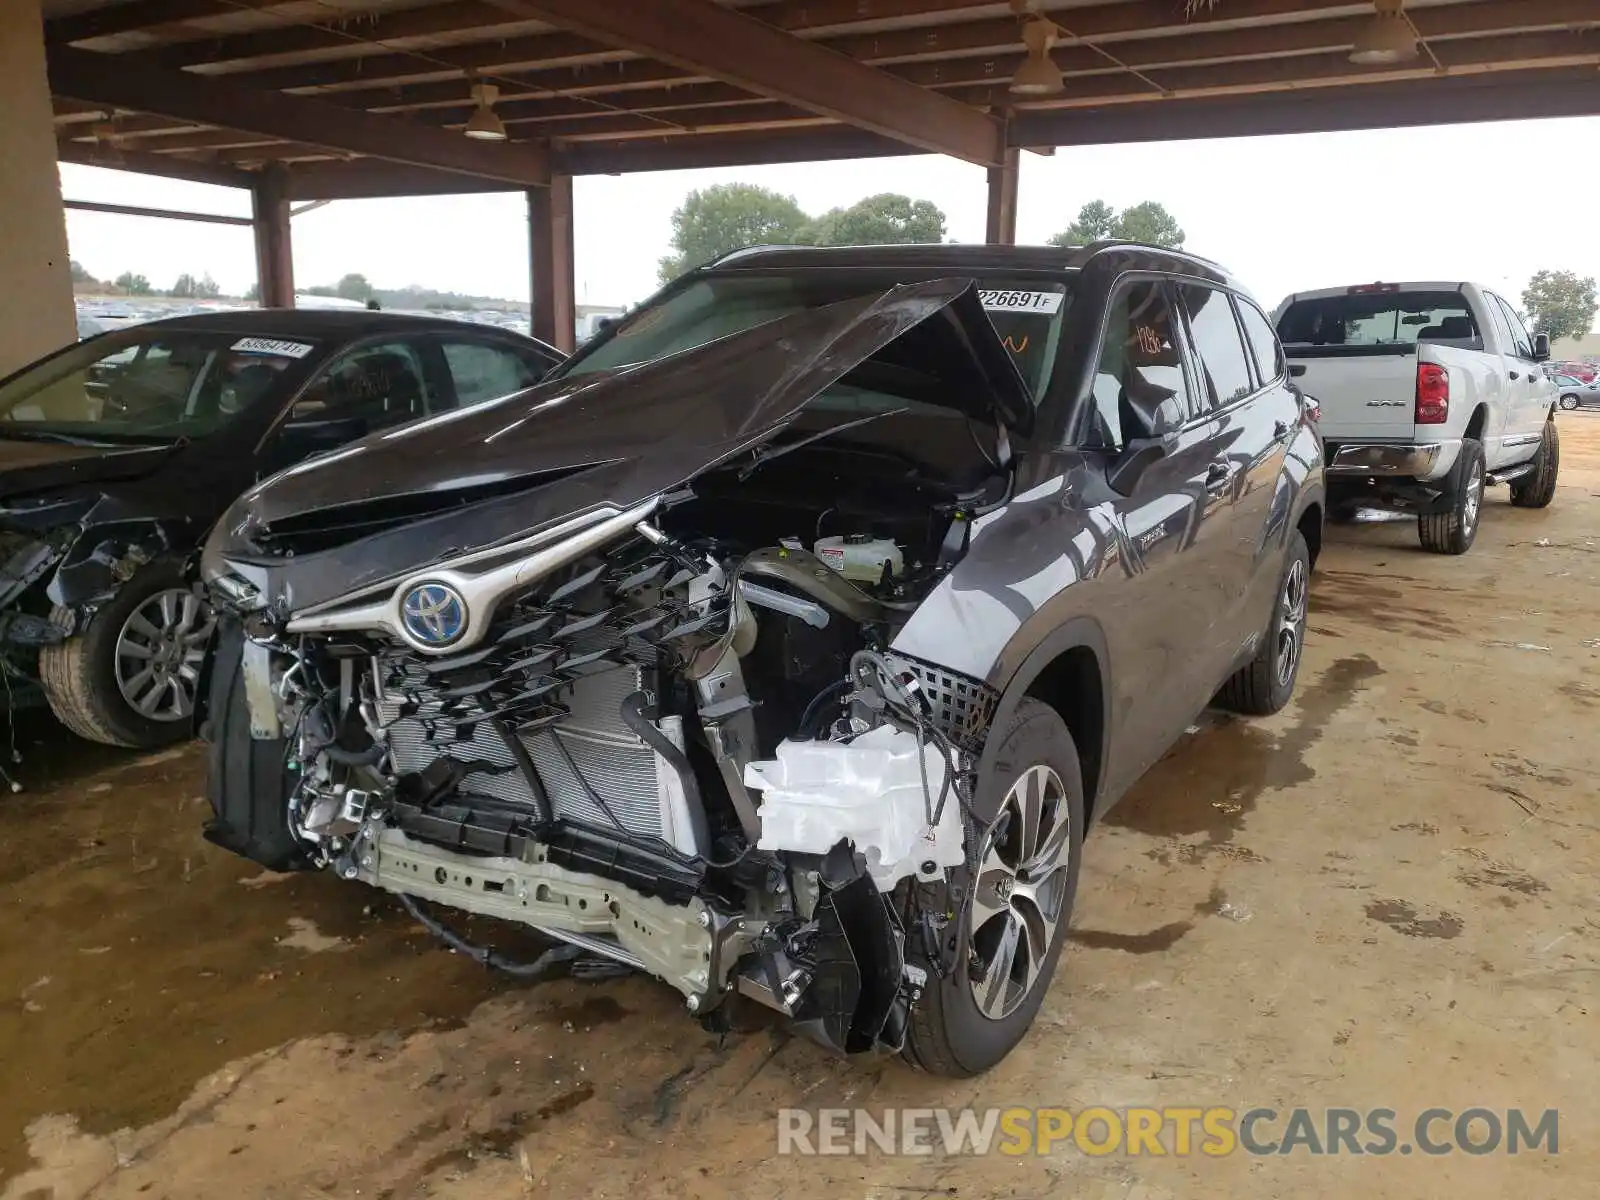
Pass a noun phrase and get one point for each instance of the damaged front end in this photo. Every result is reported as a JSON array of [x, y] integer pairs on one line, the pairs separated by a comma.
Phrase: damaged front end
[[662, 730]]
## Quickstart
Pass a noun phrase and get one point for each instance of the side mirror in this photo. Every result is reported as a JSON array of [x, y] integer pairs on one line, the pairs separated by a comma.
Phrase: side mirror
[[1541, 347], [1138, 456]]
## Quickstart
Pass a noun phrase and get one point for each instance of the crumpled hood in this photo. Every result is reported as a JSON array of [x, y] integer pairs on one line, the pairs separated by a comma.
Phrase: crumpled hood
[[577, 444]]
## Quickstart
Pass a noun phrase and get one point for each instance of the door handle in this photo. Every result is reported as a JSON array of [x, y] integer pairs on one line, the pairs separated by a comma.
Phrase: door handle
[[1513, 375], [1218, 474], [1280, 431]]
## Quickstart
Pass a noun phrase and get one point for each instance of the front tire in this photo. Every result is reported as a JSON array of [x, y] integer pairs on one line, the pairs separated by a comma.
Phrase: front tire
[[1265, 683], [1537, 488], [1012, 921], [1455, 529], [129, 677]]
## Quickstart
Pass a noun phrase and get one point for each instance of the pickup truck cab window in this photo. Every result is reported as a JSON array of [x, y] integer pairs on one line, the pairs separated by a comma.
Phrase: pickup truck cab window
[[1519, 332], [1378, 319], [1140, 364], [1217, 344]]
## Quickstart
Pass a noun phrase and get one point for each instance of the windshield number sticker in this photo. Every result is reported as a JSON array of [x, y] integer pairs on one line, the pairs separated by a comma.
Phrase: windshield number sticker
[[259, 345], [1031, 302]]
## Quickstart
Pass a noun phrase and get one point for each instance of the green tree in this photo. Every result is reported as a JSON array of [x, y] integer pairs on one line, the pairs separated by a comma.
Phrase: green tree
[[253, 292], [888, 219], [353, 287], [133, 285], [207, 288], [714, 220], [1097, 221], [1094, 224], [1561, 304], [184, 288], [79, 275], [1150, 223]]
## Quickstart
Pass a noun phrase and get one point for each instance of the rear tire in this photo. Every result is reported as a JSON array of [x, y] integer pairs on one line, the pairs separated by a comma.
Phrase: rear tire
[[1263, 686], [1455, 529], [961, 1027], [1537, 488], [80, 676], [1568, 403]]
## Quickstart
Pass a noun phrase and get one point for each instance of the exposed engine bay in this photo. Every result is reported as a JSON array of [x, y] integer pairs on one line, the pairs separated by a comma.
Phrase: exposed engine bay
[[687, 745]]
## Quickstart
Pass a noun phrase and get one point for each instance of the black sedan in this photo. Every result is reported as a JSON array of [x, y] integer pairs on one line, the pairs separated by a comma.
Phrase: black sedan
[[118, 453]]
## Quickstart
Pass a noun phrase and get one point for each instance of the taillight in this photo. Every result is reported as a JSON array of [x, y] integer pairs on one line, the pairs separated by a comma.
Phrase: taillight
[[1433, 394]]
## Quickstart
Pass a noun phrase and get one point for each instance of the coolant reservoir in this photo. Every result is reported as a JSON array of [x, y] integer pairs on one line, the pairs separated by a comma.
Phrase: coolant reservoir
[[861, 556]]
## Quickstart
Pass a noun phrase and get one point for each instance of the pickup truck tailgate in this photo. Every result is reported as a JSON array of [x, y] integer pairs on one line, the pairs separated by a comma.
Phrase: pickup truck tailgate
[[1362, 396]]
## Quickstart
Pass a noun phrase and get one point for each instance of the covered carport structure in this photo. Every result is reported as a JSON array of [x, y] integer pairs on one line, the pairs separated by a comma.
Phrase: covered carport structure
[[301, 100]]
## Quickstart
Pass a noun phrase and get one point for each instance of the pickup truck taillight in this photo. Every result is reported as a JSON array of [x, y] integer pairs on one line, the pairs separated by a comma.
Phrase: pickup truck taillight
[[1433, 394]]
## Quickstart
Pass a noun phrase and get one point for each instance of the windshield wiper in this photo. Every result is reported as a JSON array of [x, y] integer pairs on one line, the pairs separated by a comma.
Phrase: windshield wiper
[[765, 456]]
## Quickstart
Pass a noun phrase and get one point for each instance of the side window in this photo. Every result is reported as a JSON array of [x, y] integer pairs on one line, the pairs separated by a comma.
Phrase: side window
[[1263, 341], [484, 371], [1519, 331], [1502, 328], [1217, 344], [1140, 365], [381, 384]]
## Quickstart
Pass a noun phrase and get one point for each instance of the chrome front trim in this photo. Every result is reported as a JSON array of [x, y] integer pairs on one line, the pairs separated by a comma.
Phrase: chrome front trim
[[483, 590], [667, 940], [1403, 460]]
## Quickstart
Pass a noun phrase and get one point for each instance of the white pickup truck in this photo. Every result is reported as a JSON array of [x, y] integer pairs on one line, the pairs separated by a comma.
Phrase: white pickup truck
[[1429, 391]]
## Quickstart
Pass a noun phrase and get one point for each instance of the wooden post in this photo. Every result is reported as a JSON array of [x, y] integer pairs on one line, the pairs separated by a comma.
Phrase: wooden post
[[1001, 228], [274, 252], [553, 293]]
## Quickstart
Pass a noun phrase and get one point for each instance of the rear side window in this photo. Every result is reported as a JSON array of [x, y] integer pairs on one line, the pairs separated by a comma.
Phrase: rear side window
[[1140, 365], [1217, 344], [1377, 319], [482, 371], [1263, 342]]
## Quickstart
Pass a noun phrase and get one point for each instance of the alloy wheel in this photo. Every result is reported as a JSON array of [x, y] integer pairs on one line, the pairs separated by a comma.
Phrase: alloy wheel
[[159, 652], [1020, 892], [1473, 500], [1291, 629]]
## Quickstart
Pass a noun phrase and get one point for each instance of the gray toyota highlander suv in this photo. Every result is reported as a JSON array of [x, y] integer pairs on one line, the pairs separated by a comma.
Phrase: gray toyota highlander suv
[[786, 641]]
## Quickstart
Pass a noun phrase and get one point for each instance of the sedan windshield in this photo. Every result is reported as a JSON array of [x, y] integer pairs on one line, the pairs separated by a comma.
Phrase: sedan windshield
[[1027, 315], [148, 385]]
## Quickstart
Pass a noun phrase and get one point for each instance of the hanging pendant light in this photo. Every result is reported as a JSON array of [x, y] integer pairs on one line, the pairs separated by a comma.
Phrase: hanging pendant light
[[484, 125], [1038, 75], [1387, 37]]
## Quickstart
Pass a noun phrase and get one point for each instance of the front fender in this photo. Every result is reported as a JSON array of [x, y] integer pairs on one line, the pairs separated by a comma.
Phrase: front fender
[[104, 557]]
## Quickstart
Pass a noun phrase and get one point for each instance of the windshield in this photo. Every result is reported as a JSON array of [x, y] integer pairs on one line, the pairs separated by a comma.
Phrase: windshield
[[149, 385], [1027, 315]]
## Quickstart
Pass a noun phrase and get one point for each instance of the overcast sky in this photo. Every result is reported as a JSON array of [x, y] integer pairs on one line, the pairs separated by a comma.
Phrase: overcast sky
[[1491, 202]]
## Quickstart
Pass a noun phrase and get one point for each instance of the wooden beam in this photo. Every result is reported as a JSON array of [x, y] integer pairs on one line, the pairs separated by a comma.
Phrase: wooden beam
[[371, 180], [110, 20], [1497, 96], [105, 79], [169, 214], [553, 293], [740, 149], [92, 154], [274, 249], [1000, 227], [725, 44]]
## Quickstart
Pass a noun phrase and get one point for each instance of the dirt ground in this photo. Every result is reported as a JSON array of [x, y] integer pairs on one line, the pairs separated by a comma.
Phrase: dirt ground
[[1381, 898]]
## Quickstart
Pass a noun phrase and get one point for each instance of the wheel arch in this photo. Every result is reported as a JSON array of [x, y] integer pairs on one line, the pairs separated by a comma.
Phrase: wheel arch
[[1070, 670], [1478, 422]]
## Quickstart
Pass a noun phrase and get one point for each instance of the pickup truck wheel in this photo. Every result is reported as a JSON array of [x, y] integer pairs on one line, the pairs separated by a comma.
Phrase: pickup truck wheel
[[1537, 488], [1455, 529], [1264, 685], [128, 677], [248, 779], [1008, 931]]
